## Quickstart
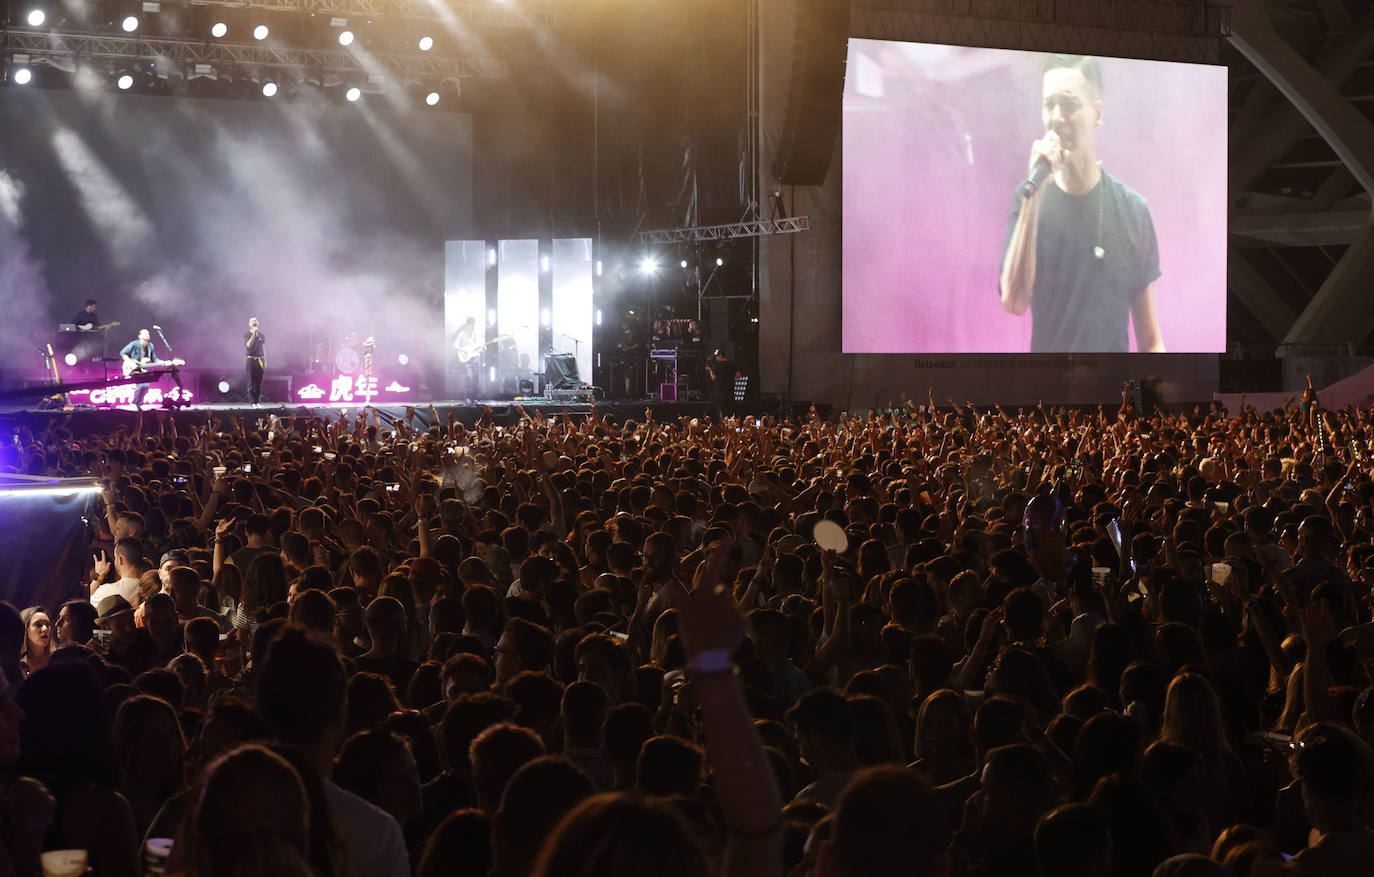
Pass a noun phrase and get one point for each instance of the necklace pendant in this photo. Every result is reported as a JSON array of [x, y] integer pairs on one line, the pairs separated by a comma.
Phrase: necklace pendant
[[1099, 253]]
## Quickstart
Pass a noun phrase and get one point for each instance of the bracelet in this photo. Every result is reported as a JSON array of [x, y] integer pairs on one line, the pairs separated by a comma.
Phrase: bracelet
[[713, 662]]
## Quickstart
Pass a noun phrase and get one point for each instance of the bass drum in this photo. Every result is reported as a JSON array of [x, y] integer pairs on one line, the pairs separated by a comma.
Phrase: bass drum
[[347, 361]]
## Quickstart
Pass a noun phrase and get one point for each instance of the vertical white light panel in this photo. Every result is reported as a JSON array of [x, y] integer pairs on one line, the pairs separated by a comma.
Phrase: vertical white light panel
[[572, 301], [517, 293]]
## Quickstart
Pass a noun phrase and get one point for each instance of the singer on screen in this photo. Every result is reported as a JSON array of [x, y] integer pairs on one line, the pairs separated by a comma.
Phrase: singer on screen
[[1080, 253]]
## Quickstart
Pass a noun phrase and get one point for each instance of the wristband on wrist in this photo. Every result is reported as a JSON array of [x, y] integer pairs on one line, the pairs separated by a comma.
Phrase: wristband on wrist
[[713, 662]]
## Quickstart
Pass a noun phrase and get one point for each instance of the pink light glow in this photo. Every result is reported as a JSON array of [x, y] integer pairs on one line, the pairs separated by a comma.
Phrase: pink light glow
[[936, 139]]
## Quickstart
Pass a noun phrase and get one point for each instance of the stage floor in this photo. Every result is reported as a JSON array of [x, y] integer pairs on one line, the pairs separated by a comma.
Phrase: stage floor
[[505, 412]]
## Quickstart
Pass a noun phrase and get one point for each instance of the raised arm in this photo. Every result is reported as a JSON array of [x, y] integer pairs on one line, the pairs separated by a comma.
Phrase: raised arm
[[712, 630]]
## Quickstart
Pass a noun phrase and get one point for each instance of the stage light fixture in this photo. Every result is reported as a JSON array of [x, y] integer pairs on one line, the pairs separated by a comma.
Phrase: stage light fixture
[[130, 23], [269, 89], [682, 264], [426, 43], [598, 267], [37, 17], [491, 374], [545, 317], [353, 93], [544, 263], [598, 316], [223, 386], [403, 359], [345, 37], [648, 265], [491, 316], [432, 99], [23, 76], [719, 261], [70, 359], [491, 256], [124, 82], [260, 32], [218, 29]]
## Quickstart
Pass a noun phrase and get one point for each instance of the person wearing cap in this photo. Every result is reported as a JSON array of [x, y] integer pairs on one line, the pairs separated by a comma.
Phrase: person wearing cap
[[130, 647], [170, 561]]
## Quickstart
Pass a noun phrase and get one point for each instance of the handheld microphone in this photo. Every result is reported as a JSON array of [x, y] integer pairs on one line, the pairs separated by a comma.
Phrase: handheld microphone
[[1036, 178], [157, 327]]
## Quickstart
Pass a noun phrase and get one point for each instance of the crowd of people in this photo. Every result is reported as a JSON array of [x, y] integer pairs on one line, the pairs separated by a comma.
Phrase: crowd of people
[[1048, 642]]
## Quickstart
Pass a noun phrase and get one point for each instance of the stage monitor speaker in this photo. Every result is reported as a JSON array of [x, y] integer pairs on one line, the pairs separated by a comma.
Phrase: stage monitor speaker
[[560, 371], [276, 388], [815, 98]]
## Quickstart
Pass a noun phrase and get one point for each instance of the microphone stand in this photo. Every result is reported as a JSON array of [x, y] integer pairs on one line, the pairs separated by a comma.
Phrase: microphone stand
[[180, 401]]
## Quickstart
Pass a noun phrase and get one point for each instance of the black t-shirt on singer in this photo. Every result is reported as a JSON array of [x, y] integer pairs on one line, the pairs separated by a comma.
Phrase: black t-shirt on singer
[[1082, 304], [259, 346]]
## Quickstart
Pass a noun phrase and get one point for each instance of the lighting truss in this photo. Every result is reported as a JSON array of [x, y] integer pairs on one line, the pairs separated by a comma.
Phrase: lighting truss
[[1178, 30], [477, 14], [729, 231], [188, 52]]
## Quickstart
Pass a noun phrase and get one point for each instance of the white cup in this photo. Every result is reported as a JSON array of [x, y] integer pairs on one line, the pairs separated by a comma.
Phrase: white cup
[[1100, 574], [1223, 507], [64, 863], [1221, 572]]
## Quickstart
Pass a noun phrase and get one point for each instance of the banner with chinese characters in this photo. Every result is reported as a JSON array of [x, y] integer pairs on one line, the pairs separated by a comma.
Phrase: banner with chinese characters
[[339, 389], [124, 395]]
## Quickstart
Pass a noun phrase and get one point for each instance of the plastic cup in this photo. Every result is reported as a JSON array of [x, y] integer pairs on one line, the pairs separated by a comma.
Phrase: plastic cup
[[1221, 572], [64, 863], [1223, 507], [1100, 574]]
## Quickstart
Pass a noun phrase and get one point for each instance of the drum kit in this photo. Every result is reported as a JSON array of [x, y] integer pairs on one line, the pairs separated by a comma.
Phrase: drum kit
[[353, 355]]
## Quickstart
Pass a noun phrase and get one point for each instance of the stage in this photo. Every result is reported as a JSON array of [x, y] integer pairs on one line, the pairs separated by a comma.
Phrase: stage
[[84, 421]]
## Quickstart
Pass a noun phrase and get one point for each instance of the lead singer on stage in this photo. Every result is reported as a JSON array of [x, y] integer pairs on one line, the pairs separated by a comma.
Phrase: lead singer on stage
[[1081, 252], [256, 344]]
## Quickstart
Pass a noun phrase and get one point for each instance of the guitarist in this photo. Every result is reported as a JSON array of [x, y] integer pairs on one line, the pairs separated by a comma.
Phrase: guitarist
[[469, 349], [138, 355]]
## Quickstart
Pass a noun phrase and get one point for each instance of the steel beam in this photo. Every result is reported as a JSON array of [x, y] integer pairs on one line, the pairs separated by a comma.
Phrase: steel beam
[[695, 234], [49, 45]]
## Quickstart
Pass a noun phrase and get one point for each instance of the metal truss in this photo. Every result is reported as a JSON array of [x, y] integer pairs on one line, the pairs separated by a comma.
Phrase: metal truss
[[1175, 30], [754, 229], [51, 46], [476, 14]]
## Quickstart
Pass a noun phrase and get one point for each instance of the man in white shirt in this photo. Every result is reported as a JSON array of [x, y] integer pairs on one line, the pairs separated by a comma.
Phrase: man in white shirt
[[128, 565]]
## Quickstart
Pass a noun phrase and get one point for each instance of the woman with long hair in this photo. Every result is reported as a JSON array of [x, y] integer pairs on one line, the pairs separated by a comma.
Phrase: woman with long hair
[[38, 646], [1192, 718]]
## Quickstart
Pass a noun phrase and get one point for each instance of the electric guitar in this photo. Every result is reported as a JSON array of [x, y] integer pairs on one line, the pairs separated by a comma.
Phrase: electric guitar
[[468, 354], [87, 327], [140, 366]]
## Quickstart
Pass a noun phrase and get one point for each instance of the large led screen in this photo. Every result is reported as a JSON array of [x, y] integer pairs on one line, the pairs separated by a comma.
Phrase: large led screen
[[1120, 248]]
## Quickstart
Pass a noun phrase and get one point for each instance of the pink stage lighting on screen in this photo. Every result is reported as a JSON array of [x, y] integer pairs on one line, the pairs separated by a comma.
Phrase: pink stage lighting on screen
[[937, 141]]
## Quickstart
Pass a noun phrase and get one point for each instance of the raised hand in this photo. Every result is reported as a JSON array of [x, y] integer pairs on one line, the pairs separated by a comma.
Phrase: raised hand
[[102, 565], [1318, 627], [708, 619]]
